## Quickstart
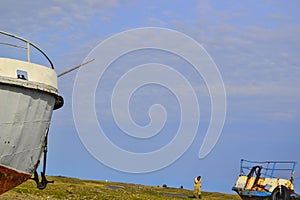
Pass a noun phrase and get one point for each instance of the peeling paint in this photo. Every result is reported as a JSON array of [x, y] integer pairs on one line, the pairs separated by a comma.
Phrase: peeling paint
[[10, 178]]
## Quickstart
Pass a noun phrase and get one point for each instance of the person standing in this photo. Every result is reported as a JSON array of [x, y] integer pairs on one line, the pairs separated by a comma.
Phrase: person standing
[[197, 187]]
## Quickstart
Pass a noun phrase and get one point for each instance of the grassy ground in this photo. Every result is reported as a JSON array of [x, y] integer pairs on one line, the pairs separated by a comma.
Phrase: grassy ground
[[71, 188]]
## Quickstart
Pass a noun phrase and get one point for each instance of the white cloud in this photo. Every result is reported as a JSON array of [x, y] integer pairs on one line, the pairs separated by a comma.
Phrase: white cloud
[[29, 16], [262, 90], [280, 116]]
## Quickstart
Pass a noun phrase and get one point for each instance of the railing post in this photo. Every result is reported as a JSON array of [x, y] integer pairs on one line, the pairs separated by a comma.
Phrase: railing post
[[241, 167], [273, 170], [28, 51]]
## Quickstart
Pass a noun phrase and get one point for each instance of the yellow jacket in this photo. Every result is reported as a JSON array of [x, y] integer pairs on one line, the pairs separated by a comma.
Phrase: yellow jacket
[[197, 186]]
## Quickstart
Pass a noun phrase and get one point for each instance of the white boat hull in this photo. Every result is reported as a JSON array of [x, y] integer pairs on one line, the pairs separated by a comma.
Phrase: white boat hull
[[25, 112]]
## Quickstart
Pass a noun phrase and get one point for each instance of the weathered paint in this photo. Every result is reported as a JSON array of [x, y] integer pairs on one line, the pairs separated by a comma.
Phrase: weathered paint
[[24, 120], [26, 108], [35, 73], [261, 182], [11, 178], [28, 93]]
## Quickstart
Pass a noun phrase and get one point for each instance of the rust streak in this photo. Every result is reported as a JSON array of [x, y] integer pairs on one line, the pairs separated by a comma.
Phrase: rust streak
[[10, 178]]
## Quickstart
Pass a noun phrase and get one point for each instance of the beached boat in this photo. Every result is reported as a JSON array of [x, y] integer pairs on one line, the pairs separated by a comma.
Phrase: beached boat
[[28, 95], [267, 180]]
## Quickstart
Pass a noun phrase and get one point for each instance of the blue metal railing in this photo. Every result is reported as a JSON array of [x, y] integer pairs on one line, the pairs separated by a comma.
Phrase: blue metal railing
[[269, 168]]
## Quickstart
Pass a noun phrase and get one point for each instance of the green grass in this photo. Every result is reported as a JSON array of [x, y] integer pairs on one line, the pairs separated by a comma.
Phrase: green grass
[[72, 188]]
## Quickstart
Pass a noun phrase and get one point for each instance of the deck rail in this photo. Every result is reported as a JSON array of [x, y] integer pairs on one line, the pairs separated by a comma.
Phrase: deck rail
[[27, 47], [269, 168]]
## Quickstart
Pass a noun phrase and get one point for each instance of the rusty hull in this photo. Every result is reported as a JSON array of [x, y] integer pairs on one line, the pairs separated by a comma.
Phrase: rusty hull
[[10, 178]]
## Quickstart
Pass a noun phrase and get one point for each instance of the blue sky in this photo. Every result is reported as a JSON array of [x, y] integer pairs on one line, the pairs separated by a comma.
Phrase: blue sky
[[255, 45]]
